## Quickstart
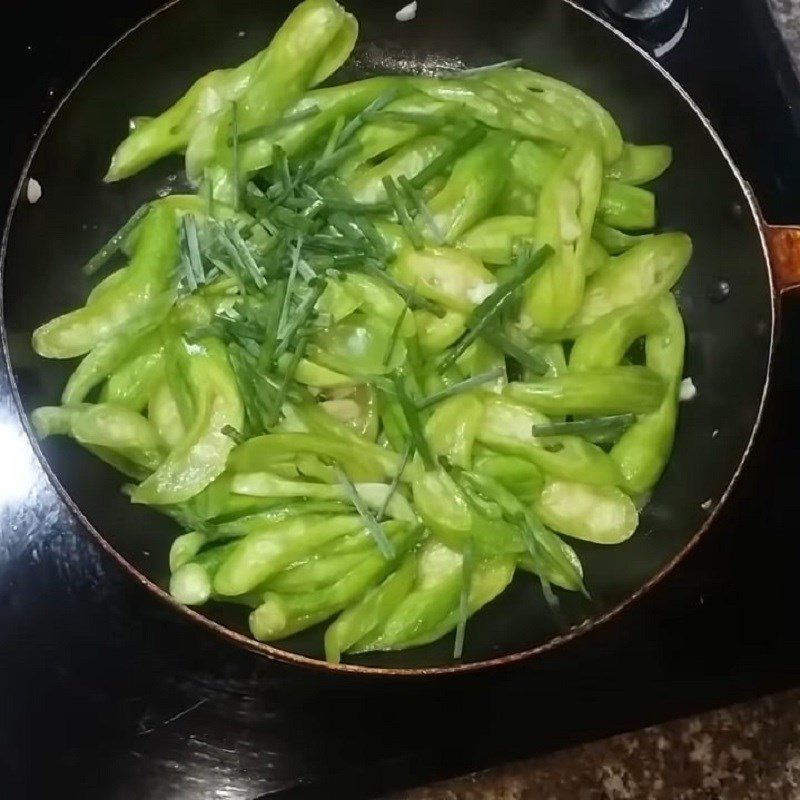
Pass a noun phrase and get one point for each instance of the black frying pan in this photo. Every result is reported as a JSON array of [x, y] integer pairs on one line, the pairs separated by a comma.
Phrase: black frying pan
[[729, 345]]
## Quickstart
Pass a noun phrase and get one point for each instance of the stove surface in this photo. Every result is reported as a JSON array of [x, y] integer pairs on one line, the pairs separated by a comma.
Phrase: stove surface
[[107, 693]]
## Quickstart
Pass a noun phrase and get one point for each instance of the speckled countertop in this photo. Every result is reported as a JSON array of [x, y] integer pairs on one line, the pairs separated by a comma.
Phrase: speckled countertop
[[748, 752], [787, 12]]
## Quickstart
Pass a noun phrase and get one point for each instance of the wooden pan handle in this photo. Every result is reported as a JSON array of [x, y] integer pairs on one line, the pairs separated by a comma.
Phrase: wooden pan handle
[[784, 251]]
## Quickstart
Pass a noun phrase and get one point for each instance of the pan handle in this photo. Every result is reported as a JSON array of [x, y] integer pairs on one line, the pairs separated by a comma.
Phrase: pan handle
[[784, 253]]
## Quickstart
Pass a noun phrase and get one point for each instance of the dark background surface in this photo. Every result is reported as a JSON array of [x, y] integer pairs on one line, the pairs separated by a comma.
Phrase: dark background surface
[[105, 694]]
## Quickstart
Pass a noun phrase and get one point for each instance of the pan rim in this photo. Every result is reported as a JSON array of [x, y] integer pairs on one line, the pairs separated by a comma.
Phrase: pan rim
[[288, 657]]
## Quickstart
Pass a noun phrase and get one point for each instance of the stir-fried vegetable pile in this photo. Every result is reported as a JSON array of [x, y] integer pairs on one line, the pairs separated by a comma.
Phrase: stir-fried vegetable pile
[[392, 348]]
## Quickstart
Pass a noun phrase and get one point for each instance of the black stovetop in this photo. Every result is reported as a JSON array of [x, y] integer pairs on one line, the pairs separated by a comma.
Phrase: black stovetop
[[105, 694]]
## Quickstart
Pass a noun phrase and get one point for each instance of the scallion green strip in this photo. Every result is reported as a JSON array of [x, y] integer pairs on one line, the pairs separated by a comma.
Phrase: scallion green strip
[[328, 163], [283, 122], [99, 259], [271, 329], [474, 330], [312, 209], [288, 377], [506, 345], [301, 315], [208, 186], [421, 207], [245, 256], [280, 164], [467, 568], [542, 547], [445, 159], [489, 309], [403, 217], [287, 299], [354, 207], [344, 224], [395, 333], [372, 236], [585, 427], [227, 271], [461, 387], [188, 273], [333, 138], [527, 265], [411, 414], [359, 119], [257, 406], [407, 453], [372, 525], [193, 247], [432, 120], [409, 295]]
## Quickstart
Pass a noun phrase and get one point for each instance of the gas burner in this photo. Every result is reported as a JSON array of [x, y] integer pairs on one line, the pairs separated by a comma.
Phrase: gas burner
[[656, 25]]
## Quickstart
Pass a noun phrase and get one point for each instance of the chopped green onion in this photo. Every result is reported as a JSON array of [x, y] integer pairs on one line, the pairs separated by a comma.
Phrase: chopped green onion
[[445, 159], [336, 132], [272, 325], [345, 225], [526, 266], [301, 315], [401, 210], [474, 330], [290, 285], [490, 308], [407, 453], [227, 271], [432, 120], [461, 387], [372, 236], [208, 186], [585, 427], [510, 348], [257, 399], [292, 220], [418, 202], [300, 174], [237, 264], [283, 122], [193, 247], [359, 119], [553, 603], [354, 207], [409, 295], [411, 414], [328, 163], [467, 567], [245, 256], [372, 525], [99, 259], [280, 164], [329, 243], [542, 547], [312, 209], [393, 337], [288, 377]]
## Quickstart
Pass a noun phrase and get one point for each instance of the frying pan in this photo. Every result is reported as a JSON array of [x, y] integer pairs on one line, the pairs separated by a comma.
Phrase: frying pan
[[731, 334]]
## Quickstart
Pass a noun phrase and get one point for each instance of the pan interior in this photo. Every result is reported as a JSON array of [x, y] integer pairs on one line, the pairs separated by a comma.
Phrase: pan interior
[[729, 342]]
